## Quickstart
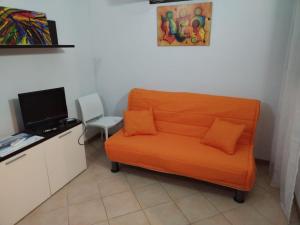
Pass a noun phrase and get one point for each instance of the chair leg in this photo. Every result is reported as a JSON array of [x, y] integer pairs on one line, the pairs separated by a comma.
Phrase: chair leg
[[101, 133], [106, 133], [239, 196], [115, 167]]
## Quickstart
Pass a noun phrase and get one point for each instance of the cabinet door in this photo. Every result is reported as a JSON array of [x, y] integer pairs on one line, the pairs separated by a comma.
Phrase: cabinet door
[[24, 184], [73, 152], [55, 160], [65, 158]]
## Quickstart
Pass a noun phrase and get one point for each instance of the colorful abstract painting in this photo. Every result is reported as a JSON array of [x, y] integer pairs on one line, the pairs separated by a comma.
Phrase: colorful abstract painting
[[184, 25], [22, 27]]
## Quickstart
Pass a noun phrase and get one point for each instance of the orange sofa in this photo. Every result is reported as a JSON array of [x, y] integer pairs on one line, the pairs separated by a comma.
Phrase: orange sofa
[[181, 120]]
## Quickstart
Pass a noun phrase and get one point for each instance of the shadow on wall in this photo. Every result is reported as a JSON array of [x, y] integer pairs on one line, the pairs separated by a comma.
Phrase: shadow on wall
[[29, 51], [121, 106], [125, 2], [264, 133], [16, 115]]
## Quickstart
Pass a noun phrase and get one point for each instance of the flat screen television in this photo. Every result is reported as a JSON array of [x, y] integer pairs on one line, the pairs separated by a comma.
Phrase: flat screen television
[[42, 109]]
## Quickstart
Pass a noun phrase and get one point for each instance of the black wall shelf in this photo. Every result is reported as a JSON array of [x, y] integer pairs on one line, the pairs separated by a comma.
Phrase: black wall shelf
[[37, 46]]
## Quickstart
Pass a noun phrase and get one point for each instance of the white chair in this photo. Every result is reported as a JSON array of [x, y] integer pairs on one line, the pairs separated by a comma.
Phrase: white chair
[[93, 114]]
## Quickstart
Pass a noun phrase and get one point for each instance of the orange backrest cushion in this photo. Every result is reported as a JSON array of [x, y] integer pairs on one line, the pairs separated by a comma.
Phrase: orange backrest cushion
[[139, 122], [192, 114], [223, 135]]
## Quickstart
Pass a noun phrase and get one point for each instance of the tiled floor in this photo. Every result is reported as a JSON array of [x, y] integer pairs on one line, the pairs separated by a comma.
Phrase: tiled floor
[[140, 197]]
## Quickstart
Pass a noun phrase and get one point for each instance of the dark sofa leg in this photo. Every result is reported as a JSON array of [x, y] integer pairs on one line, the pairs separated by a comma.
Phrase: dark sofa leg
[[239, 196], [115, 167]]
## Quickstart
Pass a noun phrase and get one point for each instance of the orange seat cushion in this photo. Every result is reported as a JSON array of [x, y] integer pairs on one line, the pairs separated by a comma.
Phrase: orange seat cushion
[[138, 123], [186, 156], [223, 135]]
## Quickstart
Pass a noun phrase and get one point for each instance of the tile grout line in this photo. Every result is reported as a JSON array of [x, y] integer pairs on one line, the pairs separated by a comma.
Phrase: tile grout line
[[82, 202], [101, 199], [220, 212], [100, 195], [143, 210], [261, 214], [68, 204], [226, 219], [144, 213], [174, 202]]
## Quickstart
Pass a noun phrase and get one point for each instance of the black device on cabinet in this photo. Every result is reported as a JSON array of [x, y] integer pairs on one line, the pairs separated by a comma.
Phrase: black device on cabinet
[[42, 110]]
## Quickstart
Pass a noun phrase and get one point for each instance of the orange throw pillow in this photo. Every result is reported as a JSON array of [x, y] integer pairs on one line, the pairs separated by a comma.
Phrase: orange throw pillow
[[223, 135], [139, 122]]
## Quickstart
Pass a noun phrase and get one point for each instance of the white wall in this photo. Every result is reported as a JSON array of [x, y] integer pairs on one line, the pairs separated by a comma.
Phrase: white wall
[[24, 70], [246, 56]]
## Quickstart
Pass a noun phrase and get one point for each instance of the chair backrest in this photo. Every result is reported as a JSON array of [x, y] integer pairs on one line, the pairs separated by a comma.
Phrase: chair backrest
[[91, 107]]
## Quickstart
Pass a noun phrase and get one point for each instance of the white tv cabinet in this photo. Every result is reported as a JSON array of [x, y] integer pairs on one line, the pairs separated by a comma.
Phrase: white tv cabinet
[[32, 176]]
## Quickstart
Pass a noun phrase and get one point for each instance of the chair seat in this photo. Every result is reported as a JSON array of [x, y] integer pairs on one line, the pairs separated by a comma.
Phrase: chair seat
[[105, 121]]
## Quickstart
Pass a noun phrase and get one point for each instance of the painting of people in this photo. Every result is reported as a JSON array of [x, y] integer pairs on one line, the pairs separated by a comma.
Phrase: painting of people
[[184, 25]]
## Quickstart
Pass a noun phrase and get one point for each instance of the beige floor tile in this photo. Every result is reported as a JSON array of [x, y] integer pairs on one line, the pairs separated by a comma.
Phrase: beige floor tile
[[101, 171], [271, 210], [102, 160], [57, 217], [151, 195], [113, 185], [139, 178], [98, 165], [82, 178], [82, 192], [245, 215], [261, 206], [87, 213], [57, 201], [257, 194], [264, 181], [215, 220], [120, 204], [178, 187], [102, 223], [196, 207], [166, 214], [221, 198], [137, 218]]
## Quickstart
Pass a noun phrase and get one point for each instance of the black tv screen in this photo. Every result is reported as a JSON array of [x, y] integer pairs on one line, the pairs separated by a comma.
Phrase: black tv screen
[[44, 107]]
